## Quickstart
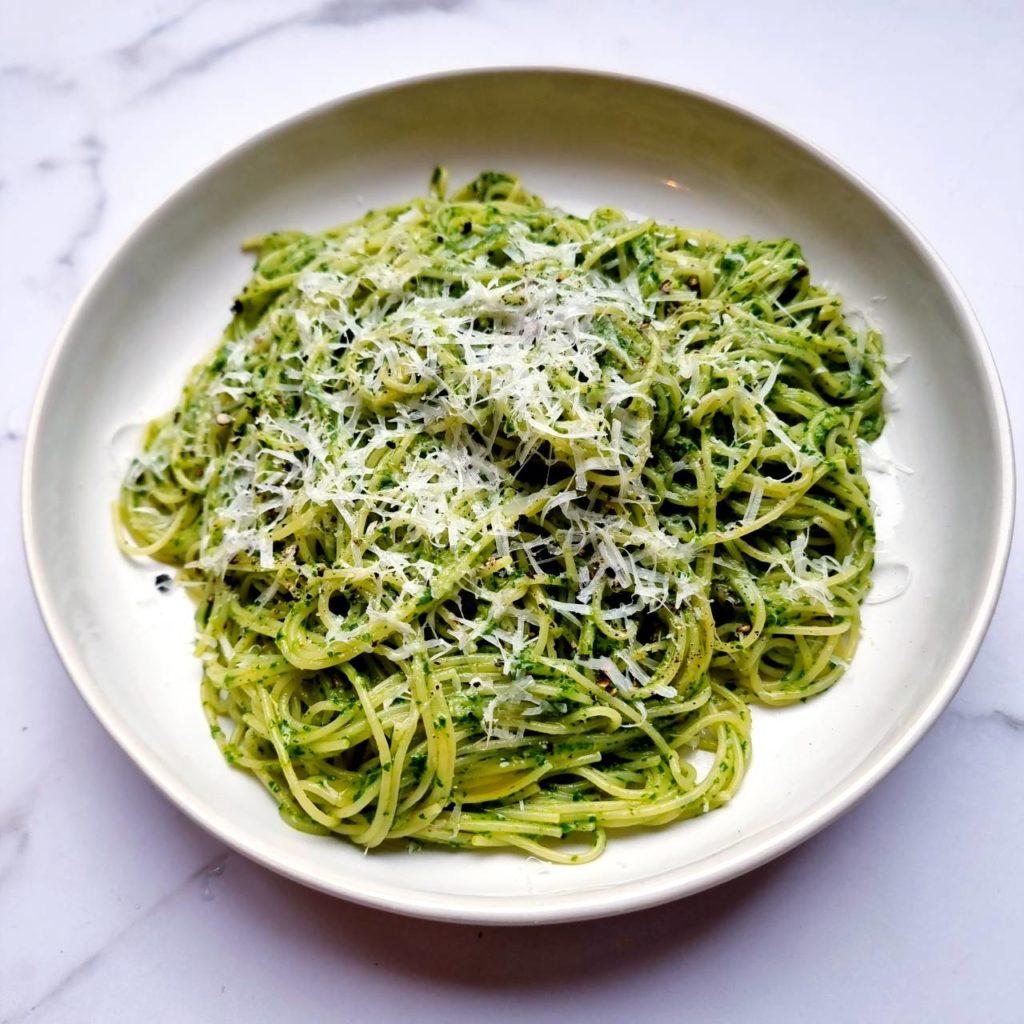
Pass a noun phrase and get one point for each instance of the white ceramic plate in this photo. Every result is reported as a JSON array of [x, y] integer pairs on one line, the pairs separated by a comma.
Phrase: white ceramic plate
[[581, 140]]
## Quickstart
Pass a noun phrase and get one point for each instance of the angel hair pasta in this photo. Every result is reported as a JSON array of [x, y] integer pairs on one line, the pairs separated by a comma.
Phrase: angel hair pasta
[[498, 519]]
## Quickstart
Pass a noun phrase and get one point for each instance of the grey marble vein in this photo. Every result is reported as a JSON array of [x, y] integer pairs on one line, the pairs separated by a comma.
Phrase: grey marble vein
[[91, 160], [37, 77], [1013, 721], [336, 13], [14, 837], [997, 715], [208, 58], [85, 966], [132, 53], [359, 12]]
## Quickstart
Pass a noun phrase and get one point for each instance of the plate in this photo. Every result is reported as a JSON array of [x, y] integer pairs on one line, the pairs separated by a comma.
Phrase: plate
[[580, 140]]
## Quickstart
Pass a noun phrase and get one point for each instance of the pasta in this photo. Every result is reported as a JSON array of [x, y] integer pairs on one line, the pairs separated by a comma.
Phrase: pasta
[[498, 519]]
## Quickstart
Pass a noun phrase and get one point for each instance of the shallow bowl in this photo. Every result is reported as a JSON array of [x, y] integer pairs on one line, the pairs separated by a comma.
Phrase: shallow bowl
[[580, 140]]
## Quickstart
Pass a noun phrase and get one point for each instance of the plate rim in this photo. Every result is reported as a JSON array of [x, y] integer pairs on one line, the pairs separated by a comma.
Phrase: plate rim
[[586, 904]]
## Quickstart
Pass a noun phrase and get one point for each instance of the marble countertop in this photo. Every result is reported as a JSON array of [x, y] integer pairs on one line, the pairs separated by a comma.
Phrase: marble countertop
[[115, 907]]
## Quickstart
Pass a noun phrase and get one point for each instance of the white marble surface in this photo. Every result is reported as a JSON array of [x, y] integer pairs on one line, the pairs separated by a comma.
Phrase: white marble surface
[[114, 907]]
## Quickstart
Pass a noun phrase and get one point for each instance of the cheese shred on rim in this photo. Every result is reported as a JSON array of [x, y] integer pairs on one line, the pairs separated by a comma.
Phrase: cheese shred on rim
[[498, 519]]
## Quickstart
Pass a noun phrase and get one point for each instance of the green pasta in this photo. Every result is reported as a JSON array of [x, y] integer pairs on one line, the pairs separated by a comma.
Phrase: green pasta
[[498, 519]]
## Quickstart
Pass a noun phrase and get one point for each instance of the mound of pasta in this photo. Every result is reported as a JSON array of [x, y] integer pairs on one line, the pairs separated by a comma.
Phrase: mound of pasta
[[499, 519]]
